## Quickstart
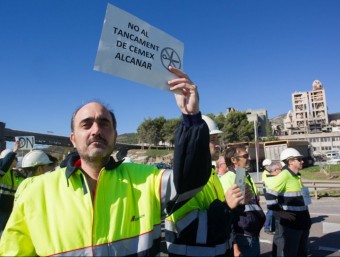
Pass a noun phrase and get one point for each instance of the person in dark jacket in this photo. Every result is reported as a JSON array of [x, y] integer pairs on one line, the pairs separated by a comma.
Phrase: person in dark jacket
[[246, 228], [8, 183]]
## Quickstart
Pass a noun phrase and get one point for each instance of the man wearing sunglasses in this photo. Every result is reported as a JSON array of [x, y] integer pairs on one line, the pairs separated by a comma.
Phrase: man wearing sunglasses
[[287, 196], [246, 228]]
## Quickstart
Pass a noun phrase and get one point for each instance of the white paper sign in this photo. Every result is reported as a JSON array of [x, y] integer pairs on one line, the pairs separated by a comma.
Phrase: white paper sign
[[133, 49], [25, 142]]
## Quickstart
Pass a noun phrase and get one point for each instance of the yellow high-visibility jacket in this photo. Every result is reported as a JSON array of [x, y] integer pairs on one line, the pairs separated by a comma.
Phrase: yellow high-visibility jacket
[[9, 183], [265, 173], [55, 214], [78, 225], [188, 231], [284, 193]]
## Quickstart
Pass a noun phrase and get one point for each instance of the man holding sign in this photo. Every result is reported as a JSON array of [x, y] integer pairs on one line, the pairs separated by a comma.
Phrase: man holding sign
[[246, 229], [98, 207]]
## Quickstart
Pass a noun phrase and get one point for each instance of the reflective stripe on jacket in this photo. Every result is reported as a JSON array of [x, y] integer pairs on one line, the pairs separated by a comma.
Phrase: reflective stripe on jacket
[[8, 182], [284, 194], [8, 186], [188, 231]]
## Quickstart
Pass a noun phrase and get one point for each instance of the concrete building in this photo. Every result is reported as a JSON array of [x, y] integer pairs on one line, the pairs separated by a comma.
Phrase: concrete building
[[309, 113], [260, 116], [309, 120]]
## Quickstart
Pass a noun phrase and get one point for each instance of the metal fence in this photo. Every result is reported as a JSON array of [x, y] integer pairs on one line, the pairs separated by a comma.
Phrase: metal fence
[[316, 186]]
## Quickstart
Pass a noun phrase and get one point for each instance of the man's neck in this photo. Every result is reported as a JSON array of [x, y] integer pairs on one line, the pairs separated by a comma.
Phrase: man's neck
[[91, 170], [92, 174], [296, 171]]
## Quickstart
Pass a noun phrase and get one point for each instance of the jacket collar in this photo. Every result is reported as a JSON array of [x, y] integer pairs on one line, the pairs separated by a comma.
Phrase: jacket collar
[[292, 172], [74, 163]]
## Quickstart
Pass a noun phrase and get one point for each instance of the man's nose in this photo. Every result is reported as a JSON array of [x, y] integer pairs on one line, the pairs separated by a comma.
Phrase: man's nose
[[95, 129]]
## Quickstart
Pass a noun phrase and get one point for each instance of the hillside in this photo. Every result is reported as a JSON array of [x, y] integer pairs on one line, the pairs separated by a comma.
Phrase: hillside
[[127, 138], [278, 120]]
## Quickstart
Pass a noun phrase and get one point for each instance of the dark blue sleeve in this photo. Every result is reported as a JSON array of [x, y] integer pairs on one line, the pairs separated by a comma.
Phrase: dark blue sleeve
[[6, 162], [192, 161]]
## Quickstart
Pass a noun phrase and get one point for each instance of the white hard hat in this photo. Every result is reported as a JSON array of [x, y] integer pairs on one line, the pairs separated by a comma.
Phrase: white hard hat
[[213, 129], [289, 153], [266, 162], [4, 153], [35, 158]]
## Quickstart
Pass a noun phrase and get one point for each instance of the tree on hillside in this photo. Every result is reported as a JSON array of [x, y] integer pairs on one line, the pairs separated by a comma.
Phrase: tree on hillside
[[150, 131], [237, 128], [220, 120], [269, 131], [169, 129]]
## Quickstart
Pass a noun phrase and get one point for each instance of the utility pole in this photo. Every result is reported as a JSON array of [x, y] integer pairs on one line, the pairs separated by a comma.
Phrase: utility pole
[[256, 149]]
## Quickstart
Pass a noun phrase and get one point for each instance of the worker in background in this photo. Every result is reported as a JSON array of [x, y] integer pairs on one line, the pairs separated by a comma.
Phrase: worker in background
[[274, 168], [36, 162], [96, 206], [287, 196], [221, 166], [202, 226], [269, 225], [265, 164], [8, 182], [54, 162], [246, 229]]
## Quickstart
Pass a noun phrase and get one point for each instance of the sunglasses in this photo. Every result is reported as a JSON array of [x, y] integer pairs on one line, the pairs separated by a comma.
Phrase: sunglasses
[[245, 156], [297, 159]]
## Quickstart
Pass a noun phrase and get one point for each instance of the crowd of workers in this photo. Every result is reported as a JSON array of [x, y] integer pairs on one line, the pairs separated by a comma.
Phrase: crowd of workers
[[94, 205]]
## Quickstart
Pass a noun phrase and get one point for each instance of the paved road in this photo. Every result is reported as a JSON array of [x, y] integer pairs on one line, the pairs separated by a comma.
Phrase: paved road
[[324, 238], [324, 234]]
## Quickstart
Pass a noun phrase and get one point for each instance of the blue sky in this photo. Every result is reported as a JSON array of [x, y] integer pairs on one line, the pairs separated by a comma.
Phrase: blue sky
[[241, 54]]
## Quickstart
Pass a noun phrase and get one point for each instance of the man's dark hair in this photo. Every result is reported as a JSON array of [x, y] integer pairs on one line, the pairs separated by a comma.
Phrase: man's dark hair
[[231, 151], [114, 121]]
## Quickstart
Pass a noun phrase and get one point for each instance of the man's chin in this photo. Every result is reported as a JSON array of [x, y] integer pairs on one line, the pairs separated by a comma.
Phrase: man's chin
[[99, 153]]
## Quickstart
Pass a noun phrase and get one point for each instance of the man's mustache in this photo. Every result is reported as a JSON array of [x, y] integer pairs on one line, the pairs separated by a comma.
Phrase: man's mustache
[[96, 139]]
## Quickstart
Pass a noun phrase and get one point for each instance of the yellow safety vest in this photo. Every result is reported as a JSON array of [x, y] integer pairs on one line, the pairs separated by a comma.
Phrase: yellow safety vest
[[195, 210], [284, 192], [8, 186], [265, 173], [58, 216]]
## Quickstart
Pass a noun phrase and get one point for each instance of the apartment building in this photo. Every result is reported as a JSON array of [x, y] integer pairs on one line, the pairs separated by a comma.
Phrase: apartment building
[[309, 120]]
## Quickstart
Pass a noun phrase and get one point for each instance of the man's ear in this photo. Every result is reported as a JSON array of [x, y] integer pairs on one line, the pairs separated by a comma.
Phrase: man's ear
[[116, 135], [72, 140], [233, 160]]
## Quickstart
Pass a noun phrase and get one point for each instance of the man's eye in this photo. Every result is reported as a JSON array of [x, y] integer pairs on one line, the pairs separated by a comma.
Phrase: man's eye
[[86, 125], [104, 124]]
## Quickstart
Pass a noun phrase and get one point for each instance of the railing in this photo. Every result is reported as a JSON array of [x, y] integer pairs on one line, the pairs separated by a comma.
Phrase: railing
[[314, 186]]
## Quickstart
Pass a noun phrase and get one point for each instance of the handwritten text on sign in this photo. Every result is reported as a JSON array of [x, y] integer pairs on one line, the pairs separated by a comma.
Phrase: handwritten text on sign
[[26, 142], [132, 49]]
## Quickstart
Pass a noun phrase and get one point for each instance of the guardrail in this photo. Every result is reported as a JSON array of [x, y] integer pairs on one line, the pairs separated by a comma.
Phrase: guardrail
[[314, 186]]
